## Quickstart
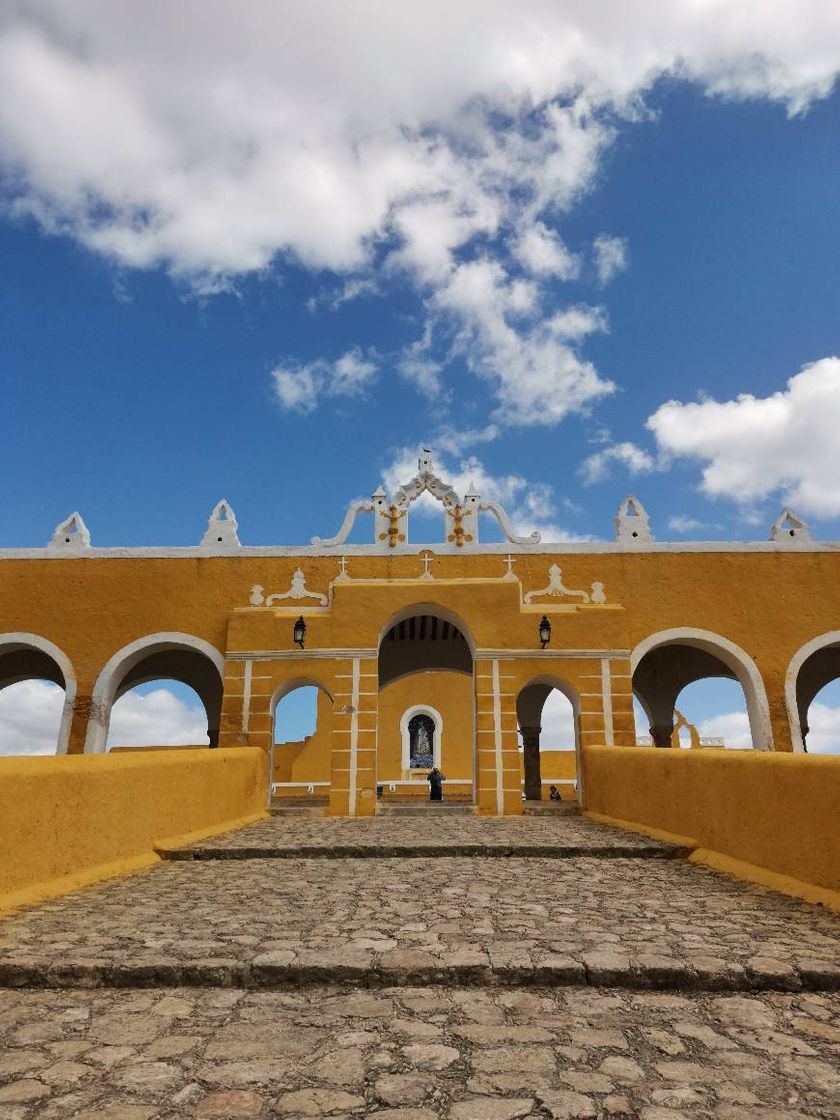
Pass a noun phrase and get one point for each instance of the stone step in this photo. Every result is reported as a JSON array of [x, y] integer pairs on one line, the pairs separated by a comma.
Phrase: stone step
[[396, 810]]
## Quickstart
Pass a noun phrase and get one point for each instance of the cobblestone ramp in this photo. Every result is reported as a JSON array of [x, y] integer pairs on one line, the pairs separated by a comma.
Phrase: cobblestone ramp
[[437, 987]]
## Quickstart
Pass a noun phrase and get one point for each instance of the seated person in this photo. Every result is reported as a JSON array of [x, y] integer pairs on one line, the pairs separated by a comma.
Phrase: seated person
[[554, 794]]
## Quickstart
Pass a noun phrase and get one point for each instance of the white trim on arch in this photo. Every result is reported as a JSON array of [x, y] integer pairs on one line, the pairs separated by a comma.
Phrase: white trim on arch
[[123, 662], [735, 658], [18, 639], [407, 716], [832, 638]]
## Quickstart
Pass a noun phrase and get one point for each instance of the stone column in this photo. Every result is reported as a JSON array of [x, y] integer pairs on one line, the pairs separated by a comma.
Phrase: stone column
[[661, 734], [531, 745]]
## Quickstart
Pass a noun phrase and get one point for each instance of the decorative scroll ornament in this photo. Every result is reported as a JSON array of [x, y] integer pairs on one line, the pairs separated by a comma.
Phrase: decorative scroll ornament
[[71, 535], [788, 527], [556, 590], [298, 590], [391, 516], [221, 528]]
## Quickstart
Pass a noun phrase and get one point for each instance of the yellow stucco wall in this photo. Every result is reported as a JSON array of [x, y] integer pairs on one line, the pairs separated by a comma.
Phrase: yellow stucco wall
[[775, 811], [309, 760], [67, 821]]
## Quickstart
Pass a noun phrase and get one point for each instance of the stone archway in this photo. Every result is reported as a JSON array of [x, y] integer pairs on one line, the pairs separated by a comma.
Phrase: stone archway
[[529, 709], [26, 656]]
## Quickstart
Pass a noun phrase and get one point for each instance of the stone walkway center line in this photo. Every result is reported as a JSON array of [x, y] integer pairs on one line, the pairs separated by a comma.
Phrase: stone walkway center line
[[411, 969]]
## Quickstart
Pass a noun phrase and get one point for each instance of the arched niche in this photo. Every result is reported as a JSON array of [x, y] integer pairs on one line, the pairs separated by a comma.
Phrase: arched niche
[[163, 656], [666, 662], [25, 657], [411, 718]]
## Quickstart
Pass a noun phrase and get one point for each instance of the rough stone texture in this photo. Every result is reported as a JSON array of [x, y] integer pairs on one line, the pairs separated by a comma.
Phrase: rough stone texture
[[497, 1053], [643, 923], [558, 835]]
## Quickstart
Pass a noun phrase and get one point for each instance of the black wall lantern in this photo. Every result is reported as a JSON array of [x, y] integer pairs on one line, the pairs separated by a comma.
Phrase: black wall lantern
[[299, 632], [545, 632]]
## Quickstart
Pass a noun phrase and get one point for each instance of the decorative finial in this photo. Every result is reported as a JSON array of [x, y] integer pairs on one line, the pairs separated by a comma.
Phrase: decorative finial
[[72, 535]]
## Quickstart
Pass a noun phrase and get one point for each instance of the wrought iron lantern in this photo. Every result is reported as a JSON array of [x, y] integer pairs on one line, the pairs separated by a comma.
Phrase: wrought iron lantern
[[299, 632], [545, 632]]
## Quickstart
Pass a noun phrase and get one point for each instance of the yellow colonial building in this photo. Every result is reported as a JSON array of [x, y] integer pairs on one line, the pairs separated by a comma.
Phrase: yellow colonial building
[[439, 654]]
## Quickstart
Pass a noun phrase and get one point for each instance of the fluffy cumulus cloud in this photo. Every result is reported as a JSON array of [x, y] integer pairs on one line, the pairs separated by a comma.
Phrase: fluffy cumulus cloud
[[299, 388], [635, 460], [438, 143], [30, 714], [754, 447], [529, 505]]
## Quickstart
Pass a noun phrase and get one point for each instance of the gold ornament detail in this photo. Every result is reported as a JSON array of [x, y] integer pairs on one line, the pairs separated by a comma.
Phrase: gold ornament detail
[[458, 535], [393, 534]]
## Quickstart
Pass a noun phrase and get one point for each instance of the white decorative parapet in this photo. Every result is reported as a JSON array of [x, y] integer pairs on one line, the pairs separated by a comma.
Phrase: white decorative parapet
[[632, 525], [556, 590], [222, 528], [788, 527], [71, 536], [390, 528]]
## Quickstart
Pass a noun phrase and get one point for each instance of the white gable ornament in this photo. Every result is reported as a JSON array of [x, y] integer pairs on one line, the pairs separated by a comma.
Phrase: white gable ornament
[[788, 527], [632, 525], [221, 528], [71, 535], [297, 590], [390, 529], [556, 590]]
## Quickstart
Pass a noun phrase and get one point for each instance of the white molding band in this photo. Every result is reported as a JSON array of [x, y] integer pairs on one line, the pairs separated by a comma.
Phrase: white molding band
[[354, 741], [497, 739], [301, 655], [606, 697]]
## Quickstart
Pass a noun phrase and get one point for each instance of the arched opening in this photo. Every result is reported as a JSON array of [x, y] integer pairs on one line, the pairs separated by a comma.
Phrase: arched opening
[[182, 658], [547, 710], [302, 717], [37, 690], [158, 713], [813, 697], [426, 705], [666, 670]]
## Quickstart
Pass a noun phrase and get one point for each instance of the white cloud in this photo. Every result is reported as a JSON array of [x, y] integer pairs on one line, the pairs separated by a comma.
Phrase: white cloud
[[610, 256], [557, 723], [217, 140], [596, 467], [530, 505], [682, 523], [754, 447], [160, 718], [539, 250], [824, 734], [300, 388], [30, 714], [732, 727]]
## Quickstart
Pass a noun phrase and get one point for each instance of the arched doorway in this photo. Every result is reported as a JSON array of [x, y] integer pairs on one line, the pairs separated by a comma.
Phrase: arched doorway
[[808, 684], [302, 727], [547, 711], [158, 657], [665, 664], [37, 691], [426, 705]]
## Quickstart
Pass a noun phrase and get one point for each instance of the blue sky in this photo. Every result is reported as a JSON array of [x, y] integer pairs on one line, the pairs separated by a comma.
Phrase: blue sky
[[265, 253]]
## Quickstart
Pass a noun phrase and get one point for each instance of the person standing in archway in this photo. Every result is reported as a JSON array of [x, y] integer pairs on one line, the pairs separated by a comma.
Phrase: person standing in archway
[[435, 780]]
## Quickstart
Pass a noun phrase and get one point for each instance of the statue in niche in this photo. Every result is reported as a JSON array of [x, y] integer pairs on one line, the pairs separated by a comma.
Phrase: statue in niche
[[421, 742]]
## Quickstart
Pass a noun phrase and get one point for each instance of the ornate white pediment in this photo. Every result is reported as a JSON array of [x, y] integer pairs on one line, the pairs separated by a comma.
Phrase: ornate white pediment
[[391, 514]]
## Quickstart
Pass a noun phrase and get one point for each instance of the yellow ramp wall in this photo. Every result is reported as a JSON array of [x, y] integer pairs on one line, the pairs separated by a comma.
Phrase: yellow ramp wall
[[75, 819], [776, 811]]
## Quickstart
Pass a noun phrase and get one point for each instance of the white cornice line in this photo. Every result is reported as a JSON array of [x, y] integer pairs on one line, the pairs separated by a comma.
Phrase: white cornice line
[[297, 654], [548, 654], [569, 548]]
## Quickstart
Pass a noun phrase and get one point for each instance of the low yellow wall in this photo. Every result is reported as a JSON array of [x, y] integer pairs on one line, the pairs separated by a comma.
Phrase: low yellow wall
[[776, 811], [72, 820]]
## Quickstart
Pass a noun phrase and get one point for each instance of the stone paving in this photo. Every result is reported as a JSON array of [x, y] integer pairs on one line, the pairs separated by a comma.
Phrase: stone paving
[[439, 987], [561, 835], [418, 1054], [617, 921]]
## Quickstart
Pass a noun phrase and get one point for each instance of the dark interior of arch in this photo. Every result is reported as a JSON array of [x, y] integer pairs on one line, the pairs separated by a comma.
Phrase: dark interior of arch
[[190, 668], [663, 673], [25, 663], [422, 642], [820, 669]]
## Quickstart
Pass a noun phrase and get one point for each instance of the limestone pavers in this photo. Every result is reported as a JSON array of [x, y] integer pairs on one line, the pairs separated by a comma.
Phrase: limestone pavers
[[633, 922], [432, 1053]]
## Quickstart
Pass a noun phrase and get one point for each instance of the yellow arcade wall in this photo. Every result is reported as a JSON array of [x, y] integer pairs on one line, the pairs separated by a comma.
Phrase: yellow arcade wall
[[76, 819], [776, 811]]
